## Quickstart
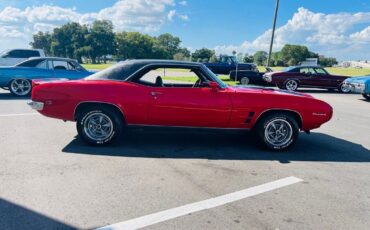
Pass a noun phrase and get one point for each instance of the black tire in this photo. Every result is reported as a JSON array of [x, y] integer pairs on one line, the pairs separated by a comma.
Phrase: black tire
[[366, 96], [244, 80], [291, 85], [344, 89], [264, 125], [23, 92], [111, 116]]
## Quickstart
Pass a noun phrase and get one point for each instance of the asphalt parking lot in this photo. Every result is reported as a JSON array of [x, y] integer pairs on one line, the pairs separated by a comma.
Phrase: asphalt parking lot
[[49, 179]]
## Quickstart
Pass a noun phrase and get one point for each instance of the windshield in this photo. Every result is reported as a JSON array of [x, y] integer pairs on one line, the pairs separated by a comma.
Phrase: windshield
[[235, 60], [215, 77], [287, 69]]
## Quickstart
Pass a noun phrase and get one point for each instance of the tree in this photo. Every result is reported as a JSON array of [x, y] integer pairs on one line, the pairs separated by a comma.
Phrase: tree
[[42, 41], [327, 61], [101, 39], [134, 45], [202, 55], [66, 40], [170, 44], [182, 54], [248, 58], [260, 57], [293, 54], [213, 58]]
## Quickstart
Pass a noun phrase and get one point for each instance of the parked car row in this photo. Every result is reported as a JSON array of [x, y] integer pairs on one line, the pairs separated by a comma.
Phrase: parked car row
[[295, 77], [17, 79], [359, 85]]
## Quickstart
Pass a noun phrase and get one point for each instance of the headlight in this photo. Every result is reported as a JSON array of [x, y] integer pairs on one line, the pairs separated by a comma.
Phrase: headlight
[[267, 77]]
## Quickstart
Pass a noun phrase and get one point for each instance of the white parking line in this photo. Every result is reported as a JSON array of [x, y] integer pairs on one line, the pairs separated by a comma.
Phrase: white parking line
[[18, 114], [158, 217]]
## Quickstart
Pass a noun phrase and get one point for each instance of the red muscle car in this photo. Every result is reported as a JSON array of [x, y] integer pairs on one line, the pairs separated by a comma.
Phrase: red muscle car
[[294, 77], [141, 93]]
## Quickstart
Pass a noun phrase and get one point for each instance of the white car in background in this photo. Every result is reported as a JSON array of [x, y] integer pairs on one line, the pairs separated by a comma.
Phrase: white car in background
[[15, 56]]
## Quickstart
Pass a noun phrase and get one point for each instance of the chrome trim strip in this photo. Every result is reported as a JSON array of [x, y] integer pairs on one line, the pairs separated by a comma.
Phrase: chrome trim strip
[[185, 127]]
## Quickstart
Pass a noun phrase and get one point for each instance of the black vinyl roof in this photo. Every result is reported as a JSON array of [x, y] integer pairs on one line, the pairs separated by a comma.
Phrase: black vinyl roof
[[125, 69]]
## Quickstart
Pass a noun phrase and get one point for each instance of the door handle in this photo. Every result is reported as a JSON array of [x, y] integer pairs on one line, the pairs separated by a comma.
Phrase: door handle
[[156, 93]]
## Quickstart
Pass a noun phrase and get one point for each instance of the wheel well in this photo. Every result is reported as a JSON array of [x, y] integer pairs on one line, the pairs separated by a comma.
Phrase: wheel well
[[85, 105], [294, 114]]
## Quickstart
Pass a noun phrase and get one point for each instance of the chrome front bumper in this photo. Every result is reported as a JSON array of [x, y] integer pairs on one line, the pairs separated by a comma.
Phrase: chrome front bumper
[[356, 87], [36, 105]]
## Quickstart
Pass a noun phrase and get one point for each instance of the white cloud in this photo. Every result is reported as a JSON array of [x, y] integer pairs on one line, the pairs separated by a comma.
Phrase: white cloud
[[183, 3], [184, 17], [328, 34], [171, 14], [130, 15], [362, 36], [138, 15]]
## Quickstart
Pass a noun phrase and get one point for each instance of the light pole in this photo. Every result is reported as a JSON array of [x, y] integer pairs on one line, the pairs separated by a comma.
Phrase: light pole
[[273, 32]]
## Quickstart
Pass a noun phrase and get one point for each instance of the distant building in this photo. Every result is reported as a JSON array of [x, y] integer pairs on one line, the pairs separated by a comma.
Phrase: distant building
[[310, 62]]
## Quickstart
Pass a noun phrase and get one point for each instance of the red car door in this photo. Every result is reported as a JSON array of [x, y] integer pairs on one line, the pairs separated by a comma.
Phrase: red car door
[[187, 106]]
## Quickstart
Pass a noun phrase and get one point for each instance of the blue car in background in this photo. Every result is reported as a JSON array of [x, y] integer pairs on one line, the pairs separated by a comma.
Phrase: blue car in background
[[17, 79], [359, 85]]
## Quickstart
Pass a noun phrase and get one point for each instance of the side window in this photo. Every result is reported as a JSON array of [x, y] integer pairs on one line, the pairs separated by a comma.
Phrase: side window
[[30, 53], [60, 65], [15, 54], [307, 71], [72, 66], [42, 65], [171, 77], [320, 71]]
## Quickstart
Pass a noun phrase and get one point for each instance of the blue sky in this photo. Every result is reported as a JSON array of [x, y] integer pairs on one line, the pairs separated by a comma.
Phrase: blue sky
[[333, 28]]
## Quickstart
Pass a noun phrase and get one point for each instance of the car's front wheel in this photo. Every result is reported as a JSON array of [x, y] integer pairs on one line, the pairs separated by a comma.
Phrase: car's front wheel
[[244, 81], [20, 87], [277, 131], [99, 126], [366, 96], [344, 89]]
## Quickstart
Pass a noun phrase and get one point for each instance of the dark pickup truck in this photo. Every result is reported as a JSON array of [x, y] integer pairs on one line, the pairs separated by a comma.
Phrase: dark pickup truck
[[226, 64], [245, 73]]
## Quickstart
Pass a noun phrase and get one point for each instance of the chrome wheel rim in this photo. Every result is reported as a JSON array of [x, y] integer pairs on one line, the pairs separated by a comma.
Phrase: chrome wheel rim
[[278, 132], [345, 89], [244, 81], [20, 87], [291, 85], [98, 126]]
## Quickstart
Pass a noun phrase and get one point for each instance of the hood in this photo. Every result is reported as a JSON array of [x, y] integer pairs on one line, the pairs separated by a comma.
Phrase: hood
[[358, 79], [265, 90]]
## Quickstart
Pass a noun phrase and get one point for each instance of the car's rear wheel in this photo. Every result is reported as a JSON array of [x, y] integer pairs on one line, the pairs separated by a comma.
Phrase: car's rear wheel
[[277, 131], [291, 85], [20, 87], [344, 89], [244, 81], [366, 96], [99, 126]]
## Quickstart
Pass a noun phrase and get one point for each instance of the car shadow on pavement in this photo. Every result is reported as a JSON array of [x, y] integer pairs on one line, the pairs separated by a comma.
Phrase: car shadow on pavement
[[323, 91], [9, 96], [14, 216], [223, 146]]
